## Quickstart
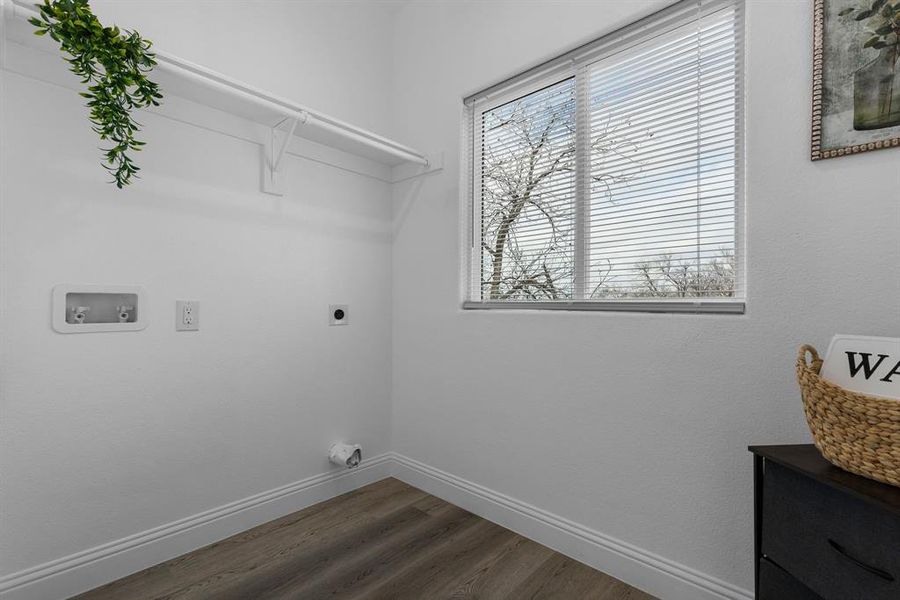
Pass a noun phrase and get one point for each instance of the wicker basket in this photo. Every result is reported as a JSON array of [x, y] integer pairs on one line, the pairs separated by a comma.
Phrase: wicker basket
[[857, 432]]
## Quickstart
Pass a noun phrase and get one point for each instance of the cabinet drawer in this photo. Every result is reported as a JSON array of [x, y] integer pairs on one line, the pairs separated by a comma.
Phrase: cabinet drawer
[[776, 584], [836, 545]]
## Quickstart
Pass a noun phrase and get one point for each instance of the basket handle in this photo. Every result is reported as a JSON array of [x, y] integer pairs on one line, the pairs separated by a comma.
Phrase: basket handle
[[816, 362]]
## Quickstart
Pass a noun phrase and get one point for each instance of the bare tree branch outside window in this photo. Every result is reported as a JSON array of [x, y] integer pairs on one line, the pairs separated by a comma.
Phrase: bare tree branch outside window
[[528, 194], [632, 195], [528, 186]]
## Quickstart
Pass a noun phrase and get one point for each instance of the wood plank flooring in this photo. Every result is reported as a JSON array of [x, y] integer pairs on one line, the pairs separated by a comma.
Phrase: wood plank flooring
[[384, 541]]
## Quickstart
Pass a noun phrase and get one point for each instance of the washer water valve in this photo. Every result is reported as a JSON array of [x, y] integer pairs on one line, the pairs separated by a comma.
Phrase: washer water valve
[[124, 313], [79, 313]]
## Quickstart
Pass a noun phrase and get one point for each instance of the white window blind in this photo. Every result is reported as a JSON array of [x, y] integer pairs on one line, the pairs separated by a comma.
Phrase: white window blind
[[611, 178]]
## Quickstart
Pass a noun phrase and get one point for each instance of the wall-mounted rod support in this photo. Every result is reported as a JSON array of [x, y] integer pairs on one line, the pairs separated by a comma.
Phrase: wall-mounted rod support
[[299, 119]]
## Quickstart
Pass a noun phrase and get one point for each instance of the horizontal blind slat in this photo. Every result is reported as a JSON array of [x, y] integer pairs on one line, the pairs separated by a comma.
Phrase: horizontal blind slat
[[658, 215]]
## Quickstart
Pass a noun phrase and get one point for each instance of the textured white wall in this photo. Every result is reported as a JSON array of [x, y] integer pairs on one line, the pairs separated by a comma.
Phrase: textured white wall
[[106, 435], [635, 425], [330, 56]]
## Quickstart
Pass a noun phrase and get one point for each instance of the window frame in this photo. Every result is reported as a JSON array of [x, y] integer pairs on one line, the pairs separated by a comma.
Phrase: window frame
[[566, 66]]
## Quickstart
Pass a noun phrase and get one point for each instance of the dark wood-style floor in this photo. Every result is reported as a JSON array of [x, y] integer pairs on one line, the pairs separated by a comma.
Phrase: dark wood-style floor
[[387, 540]]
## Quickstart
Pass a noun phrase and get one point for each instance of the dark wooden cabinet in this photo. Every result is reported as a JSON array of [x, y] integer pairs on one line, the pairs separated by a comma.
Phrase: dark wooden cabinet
[[777, 584], [822, 533]]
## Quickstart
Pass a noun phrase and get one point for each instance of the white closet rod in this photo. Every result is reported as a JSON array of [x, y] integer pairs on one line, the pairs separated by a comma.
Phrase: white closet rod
[[203, 76]]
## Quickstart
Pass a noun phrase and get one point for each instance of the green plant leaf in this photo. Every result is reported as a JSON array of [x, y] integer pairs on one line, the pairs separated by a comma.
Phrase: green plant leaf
[[871, 42], [113, 65]]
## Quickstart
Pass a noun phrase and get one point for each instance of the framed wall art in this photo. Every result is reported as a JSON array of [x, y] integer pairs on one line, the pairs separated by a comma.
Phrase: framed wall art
[[856, 77]]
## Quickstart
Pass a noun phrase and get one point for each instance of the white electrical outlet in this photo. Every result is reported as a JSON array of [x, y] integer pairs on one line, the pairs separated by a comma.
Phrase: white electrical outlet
[[187, 315]]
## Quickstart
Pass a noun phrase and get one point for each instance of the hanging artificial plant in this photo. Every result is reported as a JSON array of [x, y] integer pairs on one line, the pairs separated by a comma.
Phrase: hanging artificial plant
[[114, 65]]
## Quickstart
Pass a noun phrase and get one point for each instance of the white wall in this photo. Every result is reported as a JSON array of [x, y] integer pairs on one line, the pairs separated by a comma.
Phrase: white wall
[[634, 425], [330, 56], [106, 435]]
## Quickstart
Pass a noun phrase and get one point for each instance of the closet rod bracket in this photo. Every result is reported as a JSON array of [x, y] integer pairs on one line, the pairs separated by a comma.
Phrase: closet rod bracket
[[272, 179]]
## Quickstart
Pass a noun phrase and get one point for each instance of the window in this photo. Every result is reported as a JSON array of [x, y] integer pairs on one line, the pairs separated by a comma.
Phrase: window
[[611, 177]]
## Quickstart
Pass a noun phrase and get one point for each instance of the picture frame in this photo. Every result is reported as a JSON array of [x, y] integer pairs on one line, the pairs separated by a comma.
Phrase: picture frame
[[855, 98]]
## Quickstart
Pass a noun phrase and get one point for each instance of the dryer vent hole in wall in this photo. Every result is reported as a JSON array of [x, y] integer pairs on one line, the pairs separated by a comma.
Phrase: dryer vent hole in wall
[[345, 455]]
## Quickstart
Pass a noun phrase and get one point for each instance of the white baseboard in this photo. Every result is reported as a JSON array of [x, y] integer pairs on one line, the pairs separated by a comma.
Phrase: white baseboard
[[93, 567], [652, 573]]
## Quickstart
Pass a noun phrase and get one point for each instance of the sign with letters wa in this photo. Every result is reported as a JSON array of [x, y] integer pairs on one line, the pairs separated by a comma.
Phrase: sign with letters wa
[[870, 365]]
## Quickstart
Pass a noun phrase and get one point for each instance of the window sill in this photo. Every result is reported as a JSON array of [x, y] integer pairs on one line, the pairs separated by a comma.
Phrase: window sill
[[725, 307]]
